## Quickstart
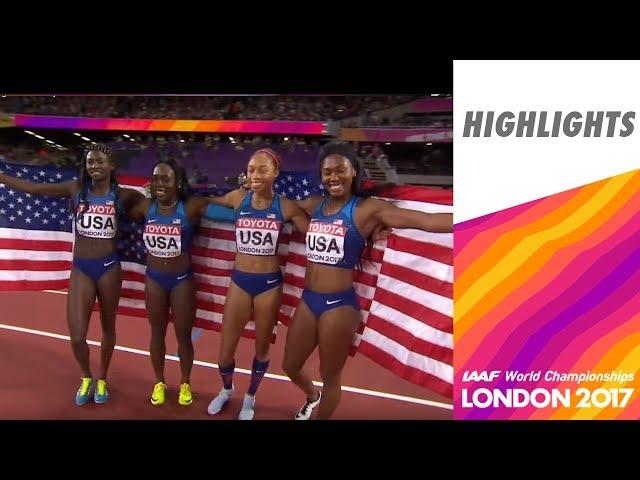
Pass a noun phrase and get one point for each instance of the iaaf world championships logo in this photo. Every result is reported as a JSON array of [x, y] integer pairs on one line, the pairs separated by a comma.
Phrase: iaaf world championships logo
[[541, 397]]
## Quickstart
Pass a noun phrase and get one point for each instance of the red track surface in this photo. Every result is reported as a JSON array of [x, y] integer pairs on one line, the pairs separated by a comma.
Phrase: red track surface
[[39, 376]]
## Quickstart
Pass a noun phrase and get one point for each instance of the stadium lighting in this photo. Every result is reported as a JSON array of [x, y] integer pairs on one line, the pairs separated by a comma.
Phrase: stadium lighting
[[86, 139], [387, 143], [77, 134], [125, 135], [39, 136], [429, 143], [50, 141], [29, 132]]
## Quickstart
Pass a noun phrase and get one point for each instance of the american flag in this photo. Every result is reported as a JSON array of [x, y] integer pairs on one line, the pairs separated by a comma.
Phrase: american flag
[[35, 232], [405, 290]]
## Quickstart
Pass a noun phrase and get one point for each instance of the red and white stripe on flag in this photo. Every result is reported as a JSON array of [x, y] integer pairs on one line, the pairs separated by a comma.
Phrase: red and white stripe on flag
[[405, 290], [405, 293]]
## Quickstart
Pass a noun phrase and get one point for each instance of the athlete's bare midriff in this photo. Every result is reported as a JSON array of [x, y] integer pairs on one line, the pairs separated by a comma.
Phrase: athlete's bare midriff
[[328, 279], [178, 264], [85, 247], [256, 263]]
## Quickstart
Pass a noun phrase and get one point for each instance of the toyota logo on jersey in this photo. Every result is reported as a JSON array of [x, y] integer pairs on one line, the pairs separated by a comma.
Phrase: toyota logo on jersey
[[163, 240], [257, 236], [325, 242], [96, 221]]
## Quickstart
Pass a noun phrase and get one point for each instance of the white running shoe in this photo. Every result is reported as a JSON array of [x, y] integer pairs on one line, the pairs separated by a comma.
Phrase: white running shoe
[[248, 408], [220, 401], [307, 409]]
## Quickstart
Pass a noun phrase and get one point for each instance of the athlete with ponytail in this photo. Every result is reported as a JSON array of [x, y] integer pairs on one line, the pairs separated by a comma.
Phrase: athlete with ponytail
[[256, 281]]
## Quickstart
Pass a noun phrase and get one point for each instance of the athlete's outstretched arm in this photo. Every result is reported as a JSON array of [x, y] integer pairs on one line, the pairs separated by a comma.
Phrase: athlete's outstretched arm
[[391, 216], [135, 203], [309, 203], [230, 200], [201, 207], [61, 189]]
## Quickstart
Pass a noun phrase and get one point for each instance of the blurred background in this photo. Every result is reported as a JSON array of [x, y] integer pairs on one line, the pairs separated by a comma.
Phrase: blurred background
[[401, 139]]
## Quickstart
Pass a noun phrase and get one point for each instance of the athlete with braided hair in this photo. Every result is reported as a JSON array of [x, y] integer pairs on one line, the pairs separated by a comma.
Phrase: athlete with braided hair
[[96, 200]]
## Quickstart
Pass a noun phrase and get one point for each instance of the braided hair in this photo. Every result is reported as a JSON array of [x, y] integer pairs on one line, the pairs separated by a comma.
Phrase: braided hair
[[85, 178]]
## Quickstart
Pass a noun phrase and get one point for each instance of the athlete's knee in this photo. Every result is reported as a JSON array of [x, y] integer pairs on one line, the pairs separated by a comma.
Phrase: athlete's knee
[[290, 367], [78, 340], [262, 350], [184, 339], [226, 357], [158, 346], [109, 328], [108, 339], [158, 337], [330, 377], [158, 328]]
